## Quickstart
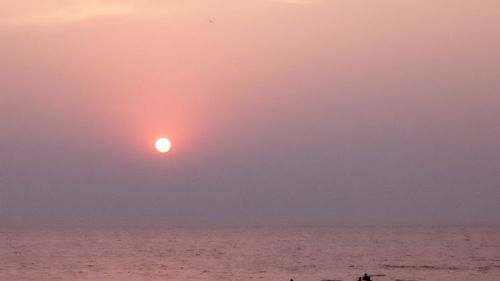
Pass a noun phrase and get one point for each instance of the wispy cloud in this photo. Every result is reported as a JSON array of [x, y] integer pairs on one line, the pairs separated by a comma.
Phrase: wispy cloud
[[50, 12], [28, 12], [297, 1]]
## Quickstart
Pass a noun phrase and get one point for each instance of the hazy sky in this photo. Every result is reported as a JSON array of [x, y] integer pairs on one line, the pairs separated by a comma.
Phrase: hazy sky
[[306, 112]]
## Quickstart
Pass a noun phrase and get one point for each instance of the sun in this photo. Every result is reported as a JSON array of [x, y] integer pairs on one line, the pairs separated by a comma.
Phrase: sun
[[163, 145]]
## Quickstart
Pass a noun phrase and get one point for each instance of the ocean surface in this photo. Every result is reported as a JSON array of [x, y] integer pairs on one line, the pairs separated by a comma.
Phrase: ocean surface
[[250, 253]]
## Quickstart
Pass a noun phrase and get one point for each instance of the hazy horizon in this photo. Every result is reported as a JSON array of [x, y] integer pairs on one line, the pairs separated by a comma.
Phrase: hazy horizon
[[279, 112]]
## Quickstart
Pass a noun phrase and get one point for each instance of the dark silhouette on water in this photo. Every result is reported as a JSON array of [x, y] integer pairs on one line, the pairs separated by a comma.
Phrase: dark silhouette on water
[[366, 278]]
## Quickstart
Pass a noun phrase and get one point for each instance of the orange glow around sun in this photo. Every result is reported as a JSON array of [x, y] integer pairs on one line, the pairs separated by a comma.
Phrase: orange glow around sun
[[163, 145]]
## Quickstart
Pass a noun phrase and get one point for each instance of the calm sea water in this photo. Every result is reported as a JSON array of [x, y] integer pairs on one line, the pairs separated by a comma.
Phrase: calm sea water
[[274, 253]]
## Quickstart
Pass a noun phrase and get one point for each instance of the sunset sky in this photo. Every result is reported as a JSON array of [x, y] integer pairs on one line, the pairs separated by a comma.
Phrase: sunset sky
[[279, 111]]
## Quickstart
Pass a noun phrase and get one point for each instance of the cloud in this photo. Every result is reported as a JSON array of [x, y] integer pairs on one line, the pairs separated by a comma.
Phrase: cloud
[[31, 12], [53, 12], [297, 1]]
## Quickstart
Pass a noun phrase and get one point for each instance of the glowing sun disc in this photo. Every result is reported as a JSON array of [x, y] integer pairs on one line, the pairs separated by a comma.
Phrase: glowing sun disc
[[163, 145]]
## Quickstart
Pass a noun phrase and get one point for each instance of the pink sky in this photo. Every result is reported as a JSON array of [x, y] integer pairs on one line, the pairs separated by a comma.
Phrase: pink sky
[[294, 111]]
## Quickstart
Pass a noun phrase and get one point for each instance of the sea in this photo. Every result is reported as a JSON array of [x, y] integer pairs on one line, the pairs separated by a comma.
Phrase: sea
[[281, 253]]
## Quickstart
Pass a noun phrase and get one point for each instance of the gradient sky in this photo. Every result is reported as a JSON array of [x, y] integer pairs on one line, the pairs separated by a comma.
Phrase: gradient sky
[[302, 112]]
